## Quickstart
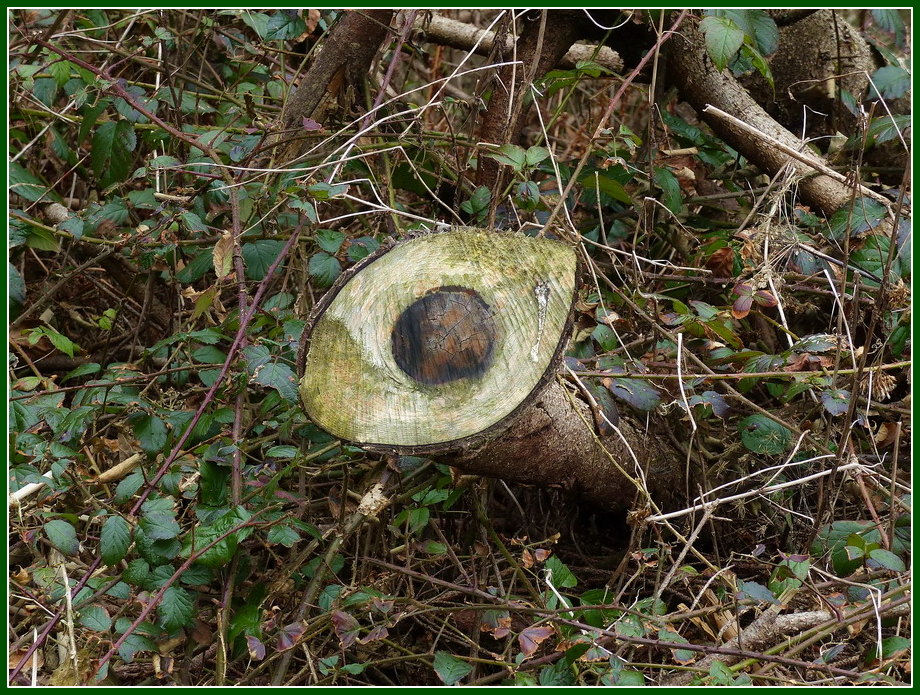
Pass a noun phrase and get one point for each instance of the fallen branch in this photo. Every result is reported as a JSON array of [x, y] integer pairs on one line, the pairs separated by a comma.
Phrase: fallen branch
[[805, 157], [715, 93], [451, 32]]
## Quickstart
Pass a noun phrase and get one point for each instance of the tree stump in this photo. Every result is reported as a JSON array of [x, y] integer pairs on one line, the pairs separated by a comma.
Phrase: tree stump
[[447, 345]]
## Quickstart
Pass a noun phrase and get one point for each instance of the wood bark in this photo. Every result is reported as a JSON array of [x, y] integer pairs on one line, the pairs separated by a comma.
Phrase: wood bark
[[543, 42], [344, 59], [701, 84], [456, 34], [553, 443]]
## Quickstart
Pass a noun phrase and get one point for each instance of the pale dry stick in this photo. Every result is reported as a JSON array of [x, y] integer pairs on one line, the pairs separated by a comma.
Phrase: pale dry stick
[[679, 560], [68, 621], [649, 261], [751, 493], [843, 315], [378, 207], [779, 469], [456, 34], [680, 381], [808, 160], [34, 659], [15, 499], [769, 273]]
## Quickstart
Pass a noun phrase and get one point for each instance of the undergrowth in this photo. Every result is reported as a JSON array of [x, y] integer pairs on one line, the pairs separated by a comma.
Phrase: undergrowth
[[161, 268]]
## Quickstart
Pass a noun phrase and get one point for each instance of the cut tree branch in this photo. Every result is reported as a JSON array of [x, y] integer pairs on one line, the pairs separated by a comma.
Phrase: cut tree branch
[[451, 32]]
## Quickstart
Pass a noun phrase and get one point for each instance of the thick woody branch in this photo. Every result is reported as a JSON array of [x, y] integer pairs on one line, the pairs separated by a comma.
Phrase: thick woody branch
[[451, 32], [765, 142]]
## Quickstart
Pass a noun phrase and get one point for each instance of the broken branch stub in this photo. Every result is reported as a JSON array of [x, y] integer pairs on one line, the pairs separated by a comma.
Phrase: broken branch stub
[[433, 344]]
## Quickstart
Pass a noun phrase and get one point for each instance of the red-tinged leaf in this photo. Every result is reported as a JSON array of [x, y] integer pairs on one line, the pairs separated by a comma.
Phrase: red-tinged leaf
[[765, 298], [346, 628], [721, 262], [527, 559], [255, 647], [531, 638], [384, 606], [742, 306], [376, 633], [496, 622], [290, 636], [540, 554]]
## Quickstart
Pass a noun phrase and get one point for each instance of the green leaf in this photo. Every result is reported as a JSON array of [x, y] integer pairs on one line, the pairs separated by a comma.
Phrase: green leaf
[[110, 153], [681, 656], [478, 202], [151, 432], [324, 269], [890, 20], [221, 552], [279, 377], [283, 451], [723, 39], [759, 28], [599, 182], [362, 247], [159, 524], [535, 155], [559, 674], [16, 286], [60, 71], [889, 82], [193, 222], [283, 535], [127, 487], [176, 609], [512, 155], [329, 240], [63, 536], [326, 191], [762, 435], [24, 183], [95, 618], [756, 592], [639, 393], [865, 216], [561, 575], [449, 668], [670, 188], [893, 646], [284, 24], [133, 644], [136, 573], [835, 401], [872, 257], [259, 255], [886, 559], [114, 540]]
